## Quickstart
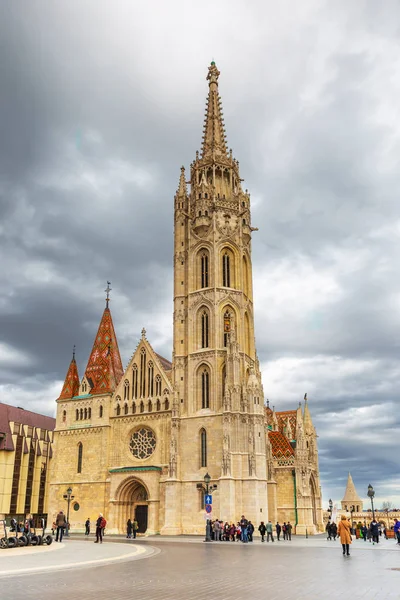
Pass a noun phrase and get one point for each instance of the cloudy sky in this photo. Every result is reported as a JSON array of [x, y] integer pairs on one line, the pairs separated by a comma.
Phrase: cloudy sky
[[101, 103]]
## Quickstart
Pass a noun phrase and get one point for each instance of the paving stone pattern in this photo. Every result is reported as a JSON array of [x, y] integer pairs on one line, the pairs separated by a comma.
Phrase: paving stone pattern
[[197, 571]]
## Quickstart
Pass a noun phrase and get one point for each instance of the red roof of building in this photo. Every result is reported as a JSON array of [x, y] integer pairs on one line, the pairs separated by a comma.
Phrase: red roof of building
[[71, 383], [104, 369], [25, 417], [282, 419], [280, 445], [166, 364]]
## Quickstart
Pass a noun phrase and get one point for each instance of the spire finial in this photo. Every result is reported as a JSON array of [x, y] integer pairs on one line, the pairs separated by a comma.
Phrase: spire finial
[[143, 334], [305, 397], [214, 138], [108, 290], [73, 352], [267, 403]]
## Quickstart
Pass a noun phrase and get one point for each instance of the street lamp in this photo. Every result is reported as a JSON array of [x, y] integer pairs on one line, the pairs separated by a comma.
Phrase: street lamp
[[371, 494], [68, 497], [330, 509]]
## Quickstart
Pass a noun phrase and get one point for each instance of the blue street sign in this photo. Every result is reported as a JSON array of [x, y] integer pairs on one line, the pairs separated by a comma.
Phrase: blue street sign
[[208, 499], [208, 508]]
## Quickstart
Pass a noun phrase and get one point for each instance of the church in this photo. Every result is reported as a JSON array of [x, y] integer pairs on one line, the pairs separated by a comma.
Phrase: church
[[141, 442]]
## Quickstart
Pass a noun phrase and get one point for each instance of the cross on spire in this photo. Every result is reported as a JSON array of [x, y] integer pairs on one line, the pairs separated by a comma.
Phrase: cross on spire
[[73, 352], [108, 290]]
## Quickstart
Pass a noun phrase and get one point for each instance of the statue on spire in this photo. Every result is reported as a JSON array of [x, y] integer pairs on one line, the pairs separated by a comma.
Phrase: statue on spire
[[108, 290], [213, 73]]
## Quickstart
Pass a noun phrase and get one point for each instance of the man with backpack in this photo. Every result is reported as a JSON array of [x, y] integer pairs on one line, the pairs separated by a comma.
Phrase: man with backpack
[[100, 526]]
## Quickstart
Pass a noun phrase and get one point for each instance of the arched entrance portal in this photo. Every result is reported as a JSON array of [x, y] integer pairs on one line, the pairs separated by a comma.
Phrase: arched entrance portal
[[133, 503]]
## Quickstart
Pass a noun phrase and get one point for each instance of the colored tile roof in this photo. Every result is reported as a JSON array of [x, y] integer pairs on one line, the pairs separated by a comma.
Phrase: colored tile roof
[[71, 383], [25, 417], [280, 445], [104, 369], [282, 419]]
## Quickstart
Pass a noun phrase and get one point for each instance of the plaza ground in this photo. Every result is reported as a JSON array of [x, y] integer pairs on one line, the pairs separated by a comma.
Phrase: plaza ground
[[158, 568]]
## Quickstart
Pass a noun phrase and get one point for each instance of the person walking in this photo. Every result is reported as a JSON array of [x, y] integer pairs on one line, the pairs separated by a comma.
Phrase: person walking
[[100, 526], [344, 528], [289, 531], [250, 531], [334, 531], [243, 526], [375, 531], [129, 529], [262, 529], [269, 531], [61, 523], [284, 530], [87, 526], [328, 530], [278, 529], [216, 530], [364, 531], [396, 530]]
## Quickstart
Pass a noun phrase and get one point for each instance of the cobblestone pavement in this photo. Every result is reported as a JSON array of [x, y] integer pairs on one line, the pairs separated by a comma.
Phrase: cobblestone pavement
[[310, 569]]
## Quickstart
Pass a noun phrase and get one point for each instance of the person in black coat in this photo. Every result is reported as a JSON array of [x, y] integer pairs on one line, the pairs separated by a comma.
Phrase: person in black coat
[[129, 529], [375, 531], [250, 531], [262, 529], [87, 527], [278, 529]]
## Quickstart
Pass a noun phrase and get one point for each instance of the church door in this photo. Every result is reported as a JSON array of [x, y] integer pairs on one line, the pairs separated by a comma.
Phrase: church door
[[141, 517]]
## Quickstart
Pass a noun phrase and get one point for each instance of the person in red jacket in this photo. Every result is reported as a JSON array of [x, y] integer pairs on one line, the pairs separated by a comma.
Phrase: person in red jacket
[[100, 526]]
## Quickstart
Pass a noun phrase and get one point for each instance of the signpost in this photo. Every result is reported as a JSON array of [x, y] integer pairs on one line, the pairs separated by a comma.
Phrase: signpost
[[208, 499], [208, 508]]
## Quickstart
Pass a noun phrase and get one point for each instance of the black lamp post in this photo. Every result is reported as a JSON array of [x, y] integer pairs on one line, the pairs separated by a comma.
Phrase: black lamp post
[[207, 480], [68, 497], [330, 509], [352, 510], [371, 494]]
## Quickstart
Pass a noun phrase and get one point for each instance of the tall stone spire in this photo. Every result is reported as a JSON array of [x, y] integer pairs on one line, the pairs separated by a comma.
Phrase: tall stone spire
[[214, 138], [182, 189], [71, 383], [104, 369]]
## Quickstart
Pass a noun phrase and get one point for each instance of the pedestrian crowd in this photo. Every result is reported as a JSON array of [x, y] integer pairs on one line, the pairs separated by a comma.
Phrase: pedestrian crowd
[[372, 532], [243, 531]]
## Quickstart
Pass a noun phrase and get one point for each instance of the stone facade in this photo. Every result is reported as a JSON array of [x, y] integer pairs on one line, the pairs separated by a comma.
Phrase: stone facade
[[140, 442], [25, 457]]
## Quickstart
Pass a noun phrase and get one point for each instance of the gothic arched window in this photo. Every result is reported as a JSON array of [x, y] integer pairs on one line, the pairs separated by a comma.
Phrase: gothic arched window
[[80, 453], [85, 414], [203, 448], [151, 378], [204, 329], [166, 404], [158, 405], [118, 410], [205, 389], [89, 413], [64, 417], [227, 327], [81, 414], [204, 269], [77, 414], [158, 385], [101, 411], [142, 407], [126, 389], [133, 408], [143, 373], [134, 381], [226, 270], [126, 409], [150, 406]]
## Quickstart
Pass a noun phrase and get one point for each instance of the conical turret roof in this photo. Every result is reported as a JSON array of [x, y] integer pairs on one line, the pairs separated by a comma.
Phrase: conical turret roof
[[71, 383], [350, 494], [104, 369]]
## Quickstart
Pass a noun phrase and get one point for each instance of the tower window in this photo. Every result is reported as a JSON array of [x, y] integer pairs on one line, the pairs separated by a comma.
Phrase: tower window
[[77, 414], [143, 373], [204, 329], [118, 410], [203, 448], [80, 453], [226, 270], [204, 270], [101, 411], [64, 417], [151, 378], [205, 389], [133, 408], [126, 389], [125, 409]]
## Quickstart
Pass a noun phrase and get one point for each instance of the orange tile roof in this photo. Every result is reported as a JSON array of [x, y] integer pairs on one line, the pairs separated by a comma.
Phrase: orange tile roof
[[282, 418], [280, 445], [71, 383], [104, 369]]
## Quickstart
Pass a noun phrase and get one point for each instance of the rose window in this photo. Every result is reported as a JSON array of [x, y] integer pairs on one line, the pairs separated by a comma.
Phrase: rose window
[[143, 443]]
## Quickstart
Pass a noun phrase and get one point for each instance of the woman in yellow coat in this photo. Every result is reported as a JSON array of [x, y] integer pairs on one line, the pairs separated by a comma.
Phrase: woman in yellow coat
[[344, 531]]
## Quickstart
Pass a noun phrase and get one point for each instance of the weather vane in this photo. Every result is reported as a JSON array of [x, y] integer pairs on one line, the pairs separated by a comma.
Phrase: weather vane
[[108, 290]]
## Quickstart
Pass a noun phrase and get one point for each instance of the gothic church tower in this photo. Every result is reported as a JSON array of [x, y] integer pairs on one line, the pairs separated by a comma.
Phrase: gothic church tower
[[217, 422]]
